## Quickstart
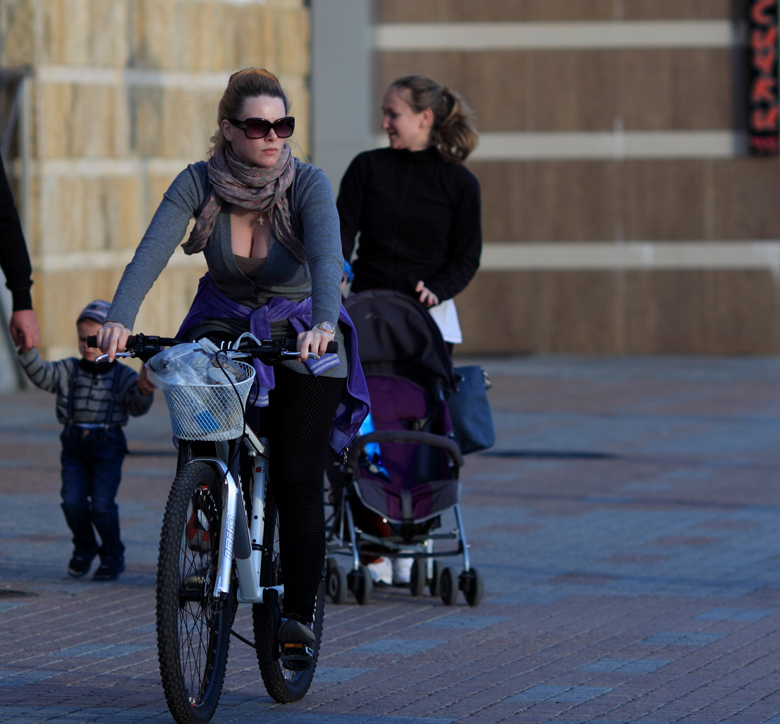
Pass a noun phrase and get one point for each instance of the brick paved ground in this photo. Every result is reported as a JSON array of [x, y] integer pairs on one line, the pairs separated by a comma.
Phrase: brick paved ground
[[627, 532]]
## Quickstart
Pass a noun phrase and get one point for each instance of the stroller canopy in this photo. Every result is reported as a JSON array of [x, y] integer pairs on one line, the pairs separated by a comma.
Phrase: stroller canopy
[[397, 337]]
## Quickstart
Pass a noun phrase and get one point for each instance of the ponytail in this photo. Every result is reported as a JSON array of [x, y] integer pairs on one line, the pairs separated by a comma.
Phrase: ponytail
[[453, 132]]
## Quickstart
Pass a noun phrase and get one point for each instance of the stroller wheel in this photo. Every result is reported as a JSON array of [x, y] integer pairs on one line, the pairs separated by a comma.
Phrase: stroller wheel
[[472, 586], [336, 582], [434, 585], [360, 584], [417, 584], [448, 589]]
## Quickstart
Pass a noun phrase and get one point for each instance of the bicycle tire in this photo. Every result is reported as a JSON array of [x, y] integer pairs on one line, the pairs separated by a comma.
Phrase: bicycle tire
[[282, 685], [193, 628]]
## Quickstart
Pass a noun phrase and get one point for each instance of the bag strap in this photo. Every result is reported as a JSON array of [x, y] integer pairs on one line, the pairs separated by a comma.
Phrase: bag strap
[[112, 399], [72, 392]]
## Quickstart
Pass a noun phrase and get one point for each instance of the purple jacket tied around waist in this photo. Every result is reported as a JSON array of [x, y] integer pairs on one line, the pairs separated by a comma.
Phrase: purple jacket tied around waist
[[210, 303]]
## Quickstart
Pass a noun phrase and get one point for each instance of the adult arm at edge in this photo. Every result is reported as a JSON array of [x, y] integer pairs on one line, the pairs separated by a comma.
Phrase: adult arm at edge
[[14, 259]]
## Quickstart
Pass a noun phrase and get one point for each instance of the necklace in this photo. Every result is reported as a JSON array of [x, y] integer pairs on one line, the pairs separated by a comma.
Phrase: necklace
[[259, 218]]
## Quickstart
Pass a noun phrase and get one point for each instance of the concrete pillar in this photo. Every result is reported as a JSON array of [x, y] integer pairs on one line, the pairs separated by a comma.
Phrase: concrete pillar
[[342, 83]]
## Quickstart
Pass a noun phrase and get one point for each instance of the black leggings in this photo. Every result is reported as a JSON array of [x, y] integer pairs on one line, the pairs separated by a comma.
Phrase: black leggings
[[298, 422]]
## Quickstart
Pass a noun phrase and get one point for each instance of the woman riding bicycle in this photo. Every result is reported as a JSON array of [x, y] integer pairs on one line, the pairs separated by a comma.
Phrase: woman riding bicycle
[[268, 227]]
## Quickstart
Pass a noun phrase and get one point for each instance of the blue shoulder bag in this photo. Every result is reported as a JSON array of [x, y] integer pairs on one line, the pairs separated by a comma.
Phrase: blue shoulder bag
[[469, 409]]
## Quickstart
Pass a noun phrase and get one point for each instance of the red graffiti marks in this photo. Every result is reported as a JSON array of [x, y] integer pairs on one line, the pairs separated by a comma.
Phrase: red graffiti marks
[[763, 88], [761, 12]]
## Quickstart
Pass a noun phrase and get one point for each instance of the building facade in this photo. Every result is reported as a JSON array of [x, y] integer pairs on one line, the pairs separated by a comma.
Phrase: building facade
[[622, 212]]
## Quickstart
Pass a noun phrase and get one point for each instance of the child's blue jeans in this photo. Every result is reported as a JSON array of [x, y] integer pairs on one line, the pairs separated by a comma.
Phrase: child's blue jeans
[[91, 473]]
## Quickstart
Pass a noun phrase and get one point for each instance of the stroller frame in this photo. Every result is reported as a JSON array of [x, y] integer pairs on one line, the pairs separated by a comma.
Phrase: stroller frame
[[347, 539], [409, 372]]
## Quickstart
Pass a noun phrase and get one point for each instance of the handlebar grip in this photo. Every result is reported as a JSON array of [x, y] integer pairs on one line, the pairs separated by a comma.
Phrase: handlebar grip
[[333, 347], [131, 341]]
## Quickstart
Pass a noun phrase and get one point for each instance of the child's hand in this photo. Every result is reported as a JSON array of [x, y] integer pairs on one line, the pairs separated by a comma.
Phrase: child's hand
[[145, 385]]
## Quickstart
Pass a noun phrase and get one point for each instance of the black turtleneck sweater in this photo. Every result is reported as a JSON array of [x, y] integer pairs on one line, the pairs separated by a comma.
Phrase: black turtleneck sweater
[[14, 260], [418, 218]]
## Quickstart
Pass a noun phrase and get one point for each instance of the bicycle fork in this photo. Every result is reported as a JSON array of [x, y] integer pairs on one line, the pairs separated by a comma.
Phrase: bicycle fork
[[242, 542]]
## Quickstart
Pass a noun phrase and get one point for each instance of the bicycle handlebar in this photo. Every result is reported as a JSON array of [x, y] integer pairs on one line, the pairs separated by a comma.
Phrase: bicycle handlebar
[[134, 339], [269, 351]]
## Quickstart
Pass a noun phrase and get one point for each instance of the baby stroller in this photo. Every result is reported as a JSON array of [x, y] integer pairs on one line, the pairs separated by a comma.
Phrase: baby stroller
[[390, 503]]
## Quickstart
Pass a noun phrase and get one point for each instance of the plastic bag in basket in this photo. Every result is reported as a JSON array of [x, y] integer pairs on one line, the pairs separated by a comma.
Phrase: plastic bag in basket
[[187, 365]]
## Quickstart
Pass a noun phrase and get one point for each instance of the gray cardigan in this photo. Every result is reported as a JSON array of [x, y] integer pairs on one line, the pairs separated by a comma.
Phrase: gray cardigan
[[314, 219]]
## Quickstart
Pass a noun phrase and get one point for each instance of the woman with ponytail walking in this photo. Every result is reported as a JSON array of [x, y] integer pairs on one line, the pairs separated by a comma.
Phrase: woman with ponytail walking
[[415, 205], [417, 209]]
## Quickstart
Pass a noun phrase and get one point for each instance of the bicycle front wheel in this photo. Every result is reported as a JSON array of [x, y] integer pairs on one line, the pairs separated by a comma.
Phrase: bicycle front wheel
[[193, 627], [282, 684]]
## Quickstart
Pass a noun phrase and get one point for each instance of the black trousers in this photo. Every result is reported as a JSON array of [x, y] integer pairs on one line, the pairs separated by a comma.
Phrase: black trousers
[[298, 421]]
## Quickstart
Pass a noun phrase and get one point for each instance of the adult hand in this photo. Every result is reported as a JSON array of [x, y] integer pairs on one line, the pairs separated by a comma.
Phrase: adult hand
[[314, 341], [145, 386], [112, 338], [24, 329], [427, 297]]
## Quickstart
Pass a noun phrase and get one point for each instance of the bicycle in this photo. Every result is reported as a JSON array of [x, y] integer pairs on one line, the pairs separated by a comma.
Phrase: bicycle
[[215, 554]]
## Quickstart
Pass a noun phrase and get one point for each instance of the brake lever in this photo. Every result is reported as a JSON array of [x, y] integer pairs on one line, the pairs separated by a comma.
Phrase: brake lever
[[104, 357]]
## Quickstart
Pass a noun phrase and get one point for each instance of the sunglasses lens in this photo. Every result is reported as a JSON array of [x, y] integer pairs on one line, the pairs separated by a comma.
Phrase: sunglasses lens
[[257, 128], [285, 127]]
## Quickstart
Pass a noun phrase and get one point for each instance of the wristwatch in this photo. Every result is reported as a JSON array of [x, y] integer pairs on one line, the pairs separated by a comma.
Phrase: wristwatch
[[324, 327]]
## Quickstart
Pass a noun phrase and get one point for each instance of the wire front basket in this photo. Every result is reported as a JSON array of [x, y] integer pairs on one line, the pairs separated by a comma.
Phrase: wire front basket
[[209, 412]]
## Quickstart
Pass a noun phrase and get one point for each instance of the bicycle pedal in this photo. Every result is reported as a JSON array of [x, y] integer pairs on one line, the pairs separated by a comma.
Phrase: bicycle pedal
[[296, 656]]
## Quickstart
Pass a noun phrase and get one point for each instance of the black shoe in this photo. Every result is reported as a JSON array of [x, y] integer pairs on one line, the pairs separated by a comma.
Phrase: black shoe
[[108, 571], [79, 565], [297, 642]]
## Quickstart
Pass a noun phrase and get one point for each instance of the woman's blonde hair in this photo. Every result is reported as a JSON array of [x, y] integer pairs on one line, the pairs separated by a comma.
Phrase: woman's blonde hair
[[453, 132], [243, 84]]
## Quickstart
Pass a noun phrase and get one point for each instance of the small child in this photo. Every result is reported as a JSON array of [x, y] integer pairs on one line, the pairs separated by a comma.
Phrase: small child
[[93, 402]]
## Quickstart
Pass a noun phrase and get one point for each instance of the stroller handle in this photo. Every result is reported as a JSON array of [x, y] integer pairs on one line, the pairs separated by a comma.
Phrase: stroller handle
[[406, 436]]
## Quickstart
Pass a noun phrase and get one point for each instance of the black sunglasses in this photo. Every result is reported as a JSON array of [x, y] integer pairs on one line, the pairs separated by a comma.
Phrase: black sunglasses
[[260, 128]]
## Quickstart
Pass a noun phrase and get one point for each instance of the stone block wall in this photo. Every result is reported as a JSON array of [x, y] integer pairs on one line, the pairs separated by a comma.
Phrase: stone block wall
[[123, 95]]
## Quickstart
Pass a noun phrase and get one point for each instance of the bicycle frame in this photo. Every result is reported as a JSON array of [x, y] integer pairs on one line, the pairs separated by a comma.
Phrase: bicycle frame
[[241, 541]]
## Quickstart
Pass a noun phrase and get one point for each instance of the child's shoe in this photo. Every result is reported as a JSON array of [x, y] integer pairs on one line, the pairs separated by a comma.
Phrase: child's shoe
[[402, 571], [381, 571], [79, 565], [108, 571]]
